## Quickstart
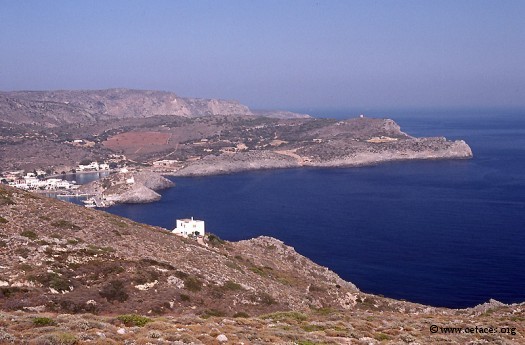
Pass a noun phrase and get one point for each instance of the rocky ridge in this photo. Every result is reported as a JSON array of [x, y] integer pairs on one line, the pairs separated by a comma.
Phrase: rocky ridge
[[56, 108]]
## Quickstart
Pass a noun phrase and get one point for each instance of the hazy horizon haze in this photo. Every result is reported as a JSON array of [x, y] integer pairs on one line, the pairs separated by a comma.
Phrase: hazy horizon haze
[[274, 54]]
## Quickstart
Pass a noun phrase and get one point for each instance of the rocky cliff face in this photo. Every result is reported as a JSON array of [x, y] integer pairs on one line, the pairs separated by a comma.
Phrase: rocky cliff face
[[54, 108]]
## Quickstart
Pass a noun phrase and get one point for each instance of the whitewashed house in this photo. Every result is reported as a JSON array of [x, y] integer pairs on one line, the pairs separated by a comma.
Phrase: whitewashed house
[[165, 162], [187, 227], [31, 181], [90, 166]]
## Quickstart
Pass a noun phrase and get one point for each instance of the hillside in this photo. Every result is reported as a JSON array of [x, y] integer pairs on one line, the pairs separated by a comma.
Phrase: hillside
[[56, 108], [220, 144], [59, 256], [59, 259]]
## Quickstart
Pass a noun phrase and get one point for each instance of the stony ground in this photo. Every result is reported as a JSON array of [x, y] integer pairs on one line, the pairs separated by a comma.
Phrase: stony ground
[[322, 326]]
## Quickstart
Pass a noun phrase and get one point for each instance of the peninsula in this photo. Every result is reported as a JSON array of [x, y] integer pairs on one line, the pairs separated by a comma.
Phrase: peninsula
[[56, 130]]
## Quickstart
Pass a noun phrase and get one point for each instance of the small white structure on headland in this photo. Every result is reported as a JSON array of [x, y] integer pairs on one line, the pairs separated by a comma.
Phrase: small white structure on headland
[[186, 227]]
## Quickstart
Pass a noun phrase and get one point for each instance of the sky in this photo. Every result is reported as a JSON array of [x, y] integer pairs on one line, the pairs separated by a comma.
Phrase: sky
[[273, 53]]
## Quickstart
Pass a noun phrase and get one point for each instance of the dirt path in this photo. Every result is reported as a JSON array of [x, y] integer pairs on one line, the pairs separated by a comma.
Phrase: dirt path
[[291, 153]]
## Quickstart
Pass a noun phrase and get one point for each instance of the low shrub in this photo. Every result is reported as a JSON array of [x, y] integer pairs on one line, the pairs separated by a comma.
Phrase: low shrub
[[266, 299], [43, 321], [192, 284], [146, 276], [181, 275], [232, 286], [65, 224], [134, 320], [381, 336], [313, 328], [115, 290], [25, 267], [184, 298], [306, 342], [5, 198], [23, 251], [214, 240], [29, 234], [241, 314], [52, 280], [285, 315], [212, 312], [57, 339]]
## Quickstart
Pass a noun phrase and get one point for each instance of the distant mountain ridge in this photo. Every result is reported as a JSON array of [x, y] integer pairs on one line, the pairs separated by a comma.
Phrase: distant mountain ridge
[[54, 108]]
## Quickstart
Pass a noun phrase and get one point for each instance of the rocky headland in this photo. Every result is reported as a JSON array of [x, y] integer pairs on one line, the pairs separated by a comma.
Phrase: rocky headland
[[127, 188], [338, 154]]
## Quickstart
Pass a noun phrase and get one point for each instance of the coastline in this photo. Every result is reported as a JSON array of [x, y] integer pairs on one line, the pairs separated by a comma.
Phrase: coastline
[[240, 162], [151, 180]]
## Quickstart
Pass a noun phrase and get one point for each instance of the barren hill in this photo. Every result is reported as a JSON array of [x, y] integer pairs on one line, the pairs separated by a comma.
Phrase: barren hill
[[55, 108]]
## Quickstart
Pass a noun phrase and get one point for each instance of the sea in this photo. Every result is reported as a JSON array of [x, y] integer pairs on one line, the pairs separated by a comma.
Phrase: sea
[[447, 233]]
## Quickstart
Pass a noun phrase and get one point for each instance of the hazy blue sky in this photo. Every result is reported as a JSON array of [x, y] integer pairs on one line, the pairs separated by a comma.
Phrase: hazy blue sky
[[286, 54]]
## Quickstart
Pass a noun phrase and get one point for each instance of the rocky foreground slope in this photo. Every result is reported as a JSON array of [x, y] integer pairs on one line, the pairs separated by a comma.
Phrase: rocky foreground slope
[[71, 275]]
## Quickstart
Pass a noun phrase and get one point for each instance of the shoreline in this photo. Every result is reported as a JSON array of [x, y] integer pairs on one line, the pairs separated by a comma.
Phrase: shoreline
[[263, 160], [224, 165]]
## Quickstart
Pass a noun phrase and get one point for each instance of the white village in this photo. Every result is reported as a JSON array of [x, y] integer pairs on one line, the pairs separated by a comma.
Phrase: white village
[[37, 180]]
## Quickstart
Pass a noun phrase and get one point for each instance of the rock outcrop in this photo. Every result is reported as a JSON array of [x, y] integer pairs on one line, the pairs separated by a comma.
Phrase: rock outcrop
[[128, 188]]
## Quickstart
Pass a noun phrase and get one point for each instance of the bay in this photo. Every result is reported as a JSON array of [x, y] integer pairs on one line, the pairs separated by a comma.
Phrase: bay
[[443, 233]]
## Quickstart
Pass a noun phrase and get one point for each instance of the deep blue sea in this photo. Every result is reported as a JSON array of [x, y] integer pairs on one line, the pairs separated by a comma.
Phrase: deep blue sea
[[443, 233]]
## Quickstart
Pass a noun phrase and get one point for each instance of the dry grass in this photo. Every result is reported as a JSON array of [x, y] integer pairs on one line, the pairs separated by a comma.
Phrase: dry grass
[[352, 327]]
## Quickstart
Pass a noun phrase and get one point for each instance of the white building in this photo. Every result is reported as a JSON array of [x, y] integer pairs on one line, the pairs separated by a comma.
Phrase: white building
[[90, 166], [165, 162], [191, 226]]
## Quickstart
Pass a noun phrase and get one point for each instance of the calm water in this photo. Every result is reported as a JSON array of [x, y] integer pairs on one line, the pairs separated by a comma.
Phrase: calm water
[[444, 233]]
